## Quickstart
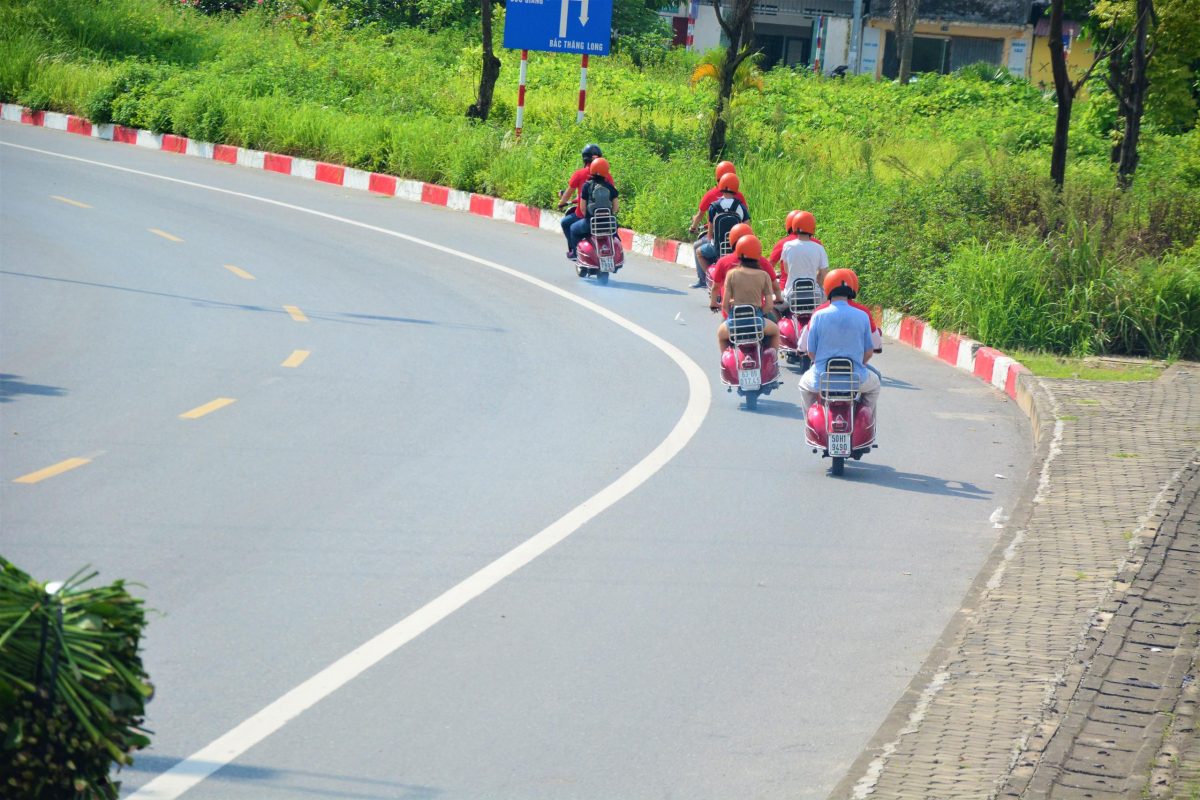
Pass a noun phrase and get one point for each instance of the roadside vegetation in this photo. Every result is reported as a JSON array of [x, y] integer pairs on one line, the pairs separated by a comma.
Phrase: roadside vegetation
[[937, 192]]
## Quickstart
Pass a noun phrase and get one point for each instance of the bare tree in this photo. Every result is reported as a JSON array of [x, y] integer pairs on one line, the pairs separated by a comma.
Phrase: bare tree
[[904, 21], [490, 70], [739, 30], [1065, 89], [1128, 81]]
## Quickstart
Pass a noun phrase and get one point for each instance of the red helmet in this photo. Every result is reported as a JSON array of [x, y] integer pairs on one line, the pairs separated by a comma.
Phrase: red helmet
[[724, 168], [728, 183], [789, 221], [738, 231], [748, 247], [599, 166], [805, 222], [838, 278]]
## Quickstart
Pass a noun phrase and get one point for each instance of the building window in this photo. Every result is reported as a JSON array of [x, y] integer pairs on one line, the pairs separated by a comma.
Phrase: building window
[[942, 53]]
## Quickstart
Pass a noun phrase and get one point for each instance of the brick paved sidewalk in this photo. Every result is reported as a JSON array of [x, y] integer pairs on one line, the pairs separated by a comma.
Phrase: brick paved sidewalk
[[1005, 693]]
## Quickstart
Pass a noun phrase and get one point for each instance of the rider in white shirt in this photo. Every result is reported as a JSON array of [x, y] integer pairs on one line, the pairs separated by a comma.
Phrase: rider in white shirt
[[804, 257]]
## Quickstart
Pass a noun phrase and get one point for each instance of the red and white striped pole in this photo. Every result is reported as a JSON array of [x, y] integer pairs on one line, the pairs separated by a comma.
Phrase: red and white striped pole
[[521, 91], [820, 37], [582, 88]]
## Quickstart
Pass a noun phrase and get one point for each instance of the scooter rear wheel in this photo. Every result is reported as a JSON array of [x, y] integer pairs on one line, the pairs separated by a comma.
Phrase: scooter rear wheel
[[751, 401], [838, 466], [601, 277]]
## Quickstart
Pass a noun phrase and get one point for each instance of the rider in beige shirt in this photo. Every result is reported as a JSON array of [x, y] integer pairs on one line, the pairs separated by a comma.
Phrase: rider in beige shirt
[[747, 284]]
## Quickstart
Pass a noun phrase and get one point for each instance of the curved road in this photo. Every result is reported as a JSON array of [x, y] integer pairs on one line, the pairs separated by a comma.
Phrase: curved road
[[736, 626]]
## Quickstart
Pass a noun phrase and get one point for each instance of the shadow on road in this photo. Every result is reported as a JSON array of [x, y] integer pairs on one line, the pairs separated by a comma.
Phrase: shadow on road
[[324, 316], [896, 383], [629, 286], [883, 475], [285, 781], [12, 385], [776, 408]]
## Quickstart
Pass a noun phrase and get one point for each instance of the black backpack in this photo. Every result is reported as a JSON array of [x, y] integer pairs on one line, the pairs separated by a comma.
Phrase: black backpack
[[600, 197]]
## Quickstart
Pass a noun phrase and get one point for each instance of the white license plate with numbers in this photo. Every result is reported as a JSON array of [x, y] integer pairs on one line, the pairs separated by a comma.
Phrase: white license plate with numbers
[[839, 444], [750, 378]]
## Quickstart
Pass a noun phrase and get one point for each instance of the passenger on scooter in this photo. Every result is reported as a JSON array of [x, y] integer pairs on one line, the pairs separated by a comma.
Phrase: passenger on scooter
[[748, 284], [598, 193], [728, 204], [803, 257], [776, 257], [730, 260], [723, 169], [840, 331], [876, 332], [570, 195]]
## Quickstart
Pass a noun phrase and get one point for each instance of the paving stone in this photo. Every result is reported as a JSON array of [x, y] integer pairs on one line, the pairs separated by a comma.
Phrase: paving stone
[[1038, 665]]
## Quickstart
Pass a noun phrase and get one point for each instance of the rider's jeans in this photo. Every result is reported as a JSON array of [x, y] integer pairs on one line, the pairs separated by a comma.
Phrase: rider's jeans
[[579, 229], [567, 221]]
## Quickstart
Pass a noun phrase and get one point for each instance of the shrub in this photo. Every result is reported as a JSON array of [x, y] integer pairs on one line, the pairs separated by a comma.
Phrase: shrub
[[72, 687]]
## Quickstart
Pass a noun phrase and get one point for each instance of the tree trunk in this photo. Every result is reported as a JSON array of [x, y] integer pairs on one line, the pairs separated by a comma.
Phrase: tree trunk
[[739, 29], [1134, 100], [904, 20], [1064, 91], [491, 68]]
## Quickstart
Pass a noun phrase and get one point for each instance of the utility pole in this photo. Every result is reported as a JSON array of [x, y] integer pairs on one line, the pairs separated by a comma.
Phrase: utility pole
[[855, 56]]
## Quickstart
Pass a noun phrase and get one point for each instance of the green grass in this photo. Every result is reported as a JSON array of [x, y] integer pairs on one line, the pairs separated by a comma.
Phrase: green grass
[[935, 192], [1089, 369]]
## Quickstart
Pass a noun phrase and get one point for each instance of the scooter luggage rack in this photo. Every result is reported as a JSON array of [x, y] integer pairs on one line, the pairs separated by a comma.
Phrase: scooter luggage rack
[[803, 298], [839, 382], [604, 223], [745, 326]]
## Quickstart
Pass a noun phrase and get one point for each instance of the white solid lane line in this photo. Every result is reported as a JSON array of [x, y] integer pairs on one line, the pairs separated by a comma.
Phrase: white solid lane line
[[198, 766]]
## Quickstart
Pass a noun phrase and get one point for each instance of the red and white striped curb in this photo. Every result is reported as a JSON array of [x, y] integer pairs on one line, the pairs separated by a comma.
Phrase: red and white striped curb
[[418, 191], [985, 363]]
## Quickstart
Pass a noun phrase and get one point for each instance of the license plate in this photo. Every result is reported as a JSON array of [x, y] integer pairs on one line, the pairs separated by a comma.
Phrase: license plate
[[750, 378], [839, 444], [606, 263]]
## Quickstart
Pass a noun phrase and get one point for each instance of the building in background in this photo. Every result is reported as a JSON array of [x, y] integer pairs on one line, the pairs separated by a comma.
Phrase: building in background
[[950, 34], [1079, 53]]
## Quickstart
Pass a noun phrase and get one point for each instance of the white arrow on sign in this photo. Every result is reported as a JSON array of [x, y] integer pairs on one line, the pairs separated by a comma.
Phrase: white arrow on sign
[[562, 16]]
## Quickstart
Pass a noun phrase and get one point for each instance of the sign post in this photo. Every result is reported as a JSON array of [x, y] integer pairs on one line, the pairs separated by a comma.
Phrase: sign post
[[582, 89], [557, 26], [521, 91]]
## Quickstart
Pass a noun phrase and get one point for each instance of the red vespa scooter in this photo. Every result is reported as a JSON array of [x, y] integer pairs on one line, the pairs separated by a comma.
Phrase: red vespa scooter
[[600, 253], [839, 425], [803, 299], [746, 364]]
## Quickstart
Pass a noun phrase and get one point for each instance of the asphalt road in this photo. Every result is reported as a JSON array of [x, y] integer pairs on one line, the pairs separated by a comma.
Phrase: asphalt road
[[737, 626]]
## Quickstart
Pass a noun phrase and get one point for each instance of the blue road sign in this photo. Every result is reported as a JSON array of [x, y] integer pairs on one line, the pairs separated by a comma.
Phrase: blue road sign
[[559, 26]]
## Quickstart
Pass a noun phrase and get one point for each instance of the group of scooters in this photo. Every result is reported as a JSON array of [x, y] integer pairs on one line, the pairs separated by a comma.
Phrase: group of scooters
[[839, 425]]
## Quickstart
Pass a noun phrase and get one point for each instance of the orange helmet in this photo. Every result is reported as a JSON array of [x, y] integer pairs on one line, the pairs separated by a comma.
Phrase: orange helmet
[[728, 183], [789, 221], [738, 231], [748, 247], [803, 222], [599, 166], [838, 278], [725, 168]]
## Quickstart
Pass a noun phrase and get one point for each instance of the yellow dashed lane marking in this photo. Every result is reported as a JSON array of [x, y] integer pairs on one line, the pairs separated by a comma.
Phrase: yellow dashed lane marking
[[241, 273], [296, 313], [296, 358], [69, 201], [207, 408], [164, 235], [51, 471]]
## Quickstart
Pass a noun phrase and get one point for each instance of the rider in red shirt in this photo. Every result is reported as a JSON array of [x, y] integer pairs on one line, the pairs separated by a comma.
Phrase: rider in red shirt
[[571, 194], [728, 262], [710, 197]]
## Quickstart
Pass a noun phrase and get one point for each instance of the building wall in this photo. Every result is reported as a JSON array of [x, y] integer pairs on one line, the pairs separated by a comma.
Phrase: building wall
[[1007, 33], [1078, 61], [836, 44], [708, 31]]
